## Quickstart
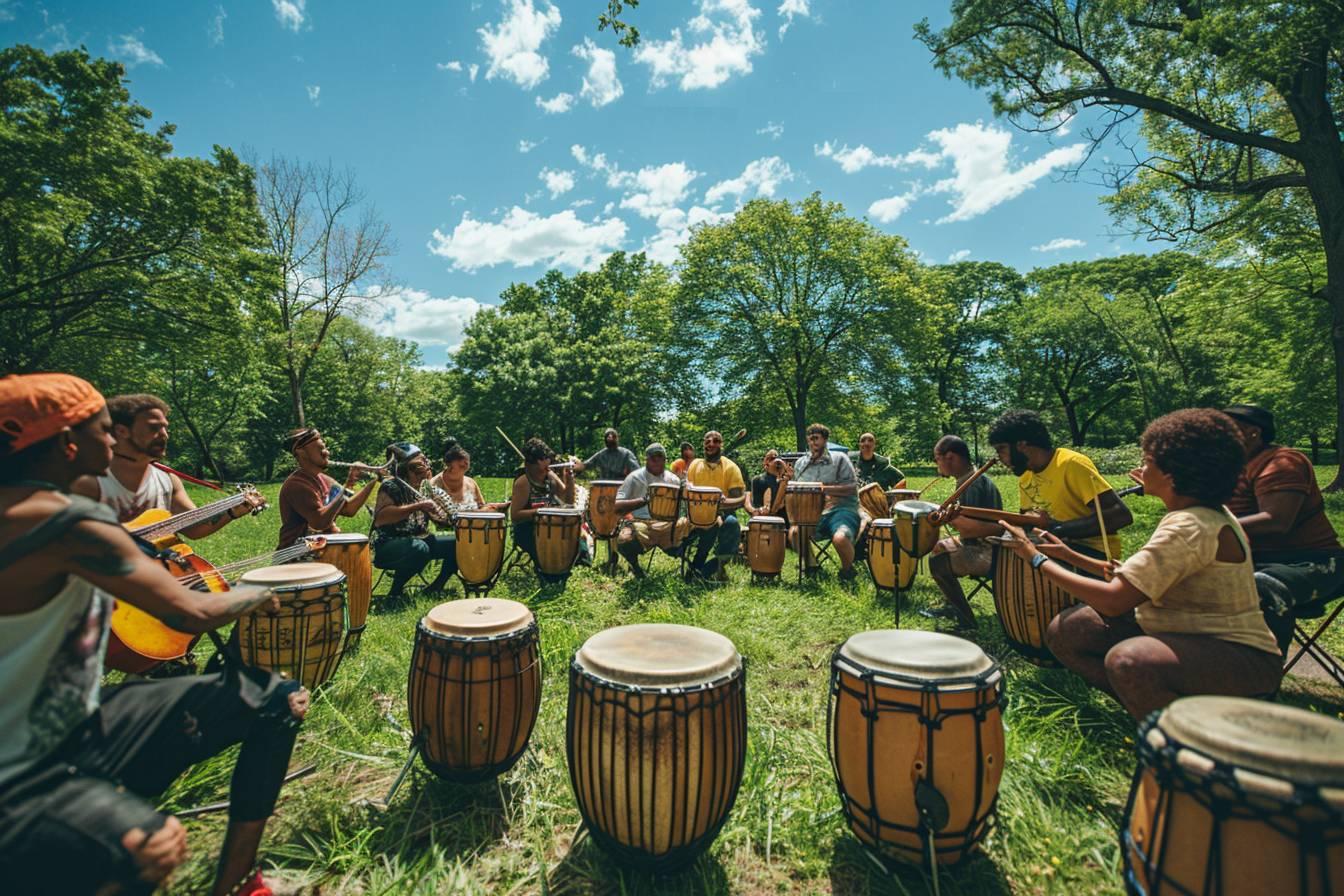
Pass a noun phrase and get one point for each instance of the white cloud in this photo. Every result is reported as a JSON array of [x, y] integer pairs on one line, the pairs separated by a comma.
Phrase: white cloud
[[132, 51], [290, 13], [722, 44], [429, 320], [982, 175], [772, 130], [450, 66], [215, 30], [790, 8], [314, 94], [674, 229], [762, 177], [526, 146], [891, 208], [601, 85], [558, 182], [1058, 244], [854, 160], [472, 71], [959, 255], [556, 105], [522, 238], [654, 190], [580, 203], [512, 45]]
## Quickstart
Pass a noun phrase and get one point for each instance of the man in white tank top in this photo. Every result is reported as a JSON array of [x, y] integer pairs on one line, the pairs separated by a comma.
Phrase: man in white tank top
[[132, 485]]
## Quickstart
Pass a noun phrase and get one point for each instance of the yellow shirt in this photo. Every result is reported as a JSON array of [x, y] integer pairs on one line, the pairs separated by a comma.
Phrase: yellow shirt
[[1064, 489], [724, 475]]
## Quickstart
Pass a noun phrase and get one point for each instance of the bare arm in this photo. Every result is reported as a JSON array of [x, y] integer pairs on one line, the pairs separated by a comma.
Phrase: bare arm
[[1113, 511], [386, 513], [351, 506], [87, 486], [182, 503], [735, 499], [518, 508], [1278, 511], [1109, 598]]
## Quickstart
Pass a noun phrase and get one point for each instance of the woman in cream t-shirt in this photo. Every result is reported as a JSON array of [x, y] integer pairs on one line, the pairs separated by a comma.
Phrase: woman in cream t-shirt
[[1181, 616]]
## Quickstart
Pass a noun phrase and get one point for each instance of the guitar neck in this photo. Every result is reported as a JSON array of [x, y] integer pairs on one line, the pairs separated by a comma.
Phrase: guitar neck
[[175, 524]]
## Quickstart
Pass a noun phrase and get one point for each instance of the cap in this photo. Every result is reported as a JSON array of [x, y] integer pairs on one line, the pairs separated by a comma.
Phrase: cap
[[36, 406], [403, 451], [655, 448], [1256, 416]]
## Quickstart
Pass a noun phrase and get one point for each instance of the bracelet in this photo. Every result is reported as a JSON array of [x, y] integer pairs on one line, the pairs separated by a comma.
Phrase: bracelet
[[1038, 560]]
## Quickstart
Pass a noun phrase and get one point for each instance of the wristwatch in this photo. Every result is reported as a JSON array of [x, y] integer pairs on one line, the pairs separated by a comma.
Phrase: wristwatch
[[1038, 561]]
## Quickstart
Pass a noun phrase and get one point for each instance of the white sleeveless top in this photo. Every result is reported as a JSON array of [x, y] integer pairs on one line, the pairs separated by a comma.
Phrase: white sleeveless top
[[155, 493]]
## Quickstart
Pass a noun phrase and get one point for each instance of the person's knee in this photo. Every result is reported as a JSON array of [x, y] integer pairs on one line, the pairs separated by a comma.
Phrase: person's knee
[[940, 565], [1125, 664]]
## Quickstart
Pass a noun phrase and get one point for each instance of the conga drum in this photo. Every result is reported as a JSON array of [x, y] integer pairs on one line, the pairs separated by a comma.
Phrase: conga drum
[[349, 552], [767, 537], [557, 539], [474, 687], [1236, 797], [874, 500], [803, 502], [664, 502], [480, 548], [304, 640], [895, 495], [702, 505], [891, 568], [914, 533], [656, 737], [1025, 601], [602, 515], [915, 738]]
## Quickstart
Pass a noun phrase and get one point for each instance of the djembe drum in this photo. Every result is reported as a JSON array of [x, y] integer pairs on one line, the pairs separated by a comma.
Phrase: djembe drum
[[602, 515], [916, 742], [891, 568], [803, 502], [480, 549], [349, 552], [896, 495], [1236, 797], [664, 502], [874, 500], [474, 687], [702, 505], [304, 640], [1025, 601], [767, 537], [557, 539], [656, 737]]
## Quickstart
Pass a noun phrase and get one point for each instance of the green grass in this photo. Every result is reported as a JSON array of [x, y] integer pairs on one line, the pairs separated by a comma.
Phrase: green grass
[[1069, 756]]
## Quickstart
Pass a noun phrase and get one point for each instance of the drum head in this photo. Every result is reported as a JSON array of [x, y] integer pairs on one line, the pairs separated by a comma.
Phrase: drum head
[[703, 490], [658, 655], [477, 617], [479, 515], [914, 508], [917, 654], [770, 522], [292, 574], [1301, 746], [599, 484], [902, 494], [883, 523], [559, 511], [346, 538], [802, 487]]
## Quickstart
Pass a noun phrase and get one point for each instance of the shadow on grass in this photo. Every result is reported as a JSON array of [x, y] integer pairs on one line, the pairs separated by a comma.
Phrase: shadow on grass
[[586, 868], [854, 870]]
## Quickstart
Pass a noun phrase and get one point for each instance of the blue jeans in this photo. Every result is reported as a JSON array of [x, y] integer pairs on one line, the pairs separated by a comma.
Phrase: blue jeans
[[724, 538], [406, 557]]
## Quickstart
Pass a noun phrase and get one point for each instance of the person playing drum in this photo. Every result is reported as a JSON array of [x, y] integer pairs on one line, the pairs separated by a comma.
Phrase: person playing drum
[[641, 534], [82, 768], [966, 553], [612, 461], [716, 471], [310, 500], [839, 488], [1181, 616], [765, 487], [402, 541], [538, 487], [463, 492]]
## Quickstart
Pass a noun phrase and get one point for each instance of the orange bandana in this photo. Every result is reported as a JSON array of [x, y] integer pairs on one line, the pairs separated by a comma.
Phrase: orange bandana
[[36, 406]]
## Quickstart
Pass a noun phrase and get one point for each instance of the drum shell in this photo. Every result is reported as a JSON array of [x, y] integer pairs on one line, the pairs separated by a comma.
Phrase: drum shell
[[914, 533], [664, 502], [480, 546], [602, 515], [881, 729], [803, 503], [304, 639], [557, 540], [655, 771], [1025, 601], [474, 699], [766, 542], [349, 552], [874, 500], [702, 506]]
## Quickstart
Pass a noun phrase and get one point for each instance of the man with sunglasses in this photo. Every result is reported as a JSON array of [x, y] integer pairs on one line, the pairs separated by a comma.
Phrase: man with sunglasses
[[716, 471], [310, 500]]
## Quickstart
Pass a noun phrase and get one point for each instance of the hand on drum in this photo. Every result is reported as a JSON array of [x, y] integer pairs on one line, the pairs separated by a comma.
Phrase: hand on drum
[[1020, 545]]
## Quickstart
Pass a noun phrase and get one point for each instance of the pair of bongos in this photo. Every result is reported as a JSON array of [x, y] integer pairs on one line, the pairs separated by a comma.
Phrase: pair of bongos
[[702, 503]]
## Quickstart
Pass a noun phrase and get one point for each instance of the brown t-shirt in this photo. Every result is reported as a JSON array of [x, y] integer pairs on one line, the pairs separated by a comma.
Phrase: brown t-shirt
[[1280, 469], [301, 500]]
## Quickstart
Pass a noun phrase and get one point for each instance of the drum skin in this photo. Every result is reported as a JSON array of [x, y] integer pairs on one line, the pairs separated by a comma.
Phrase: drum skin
[[767, 537], [883, 743], [874, 500], [664, 501], [803, 502], [349, 552], [480, 546], [1277, 832], [557, 539], [1026, 601], [602, 513], [702, 505], [474, 699], [305, 639]]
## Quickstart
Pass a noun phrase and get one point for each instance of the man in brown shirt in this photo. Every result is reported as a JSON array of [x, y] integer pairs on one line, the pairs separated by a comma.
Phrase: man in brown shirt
[[310, 500]]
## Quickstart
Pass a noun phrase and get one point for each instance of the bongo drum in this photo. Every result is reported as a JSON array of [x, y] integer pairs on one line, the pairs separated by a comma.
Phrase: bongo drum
[[557, 539], [891, 569], [803, 502], [480, 548], [664, 500], [702, 505], [874, 500], [914, 533], [767, 537], [915, 738], [656, 736], [474, 687], [1234, 796], [304, 639], [1025, 601], [602, 513], [349, 552]]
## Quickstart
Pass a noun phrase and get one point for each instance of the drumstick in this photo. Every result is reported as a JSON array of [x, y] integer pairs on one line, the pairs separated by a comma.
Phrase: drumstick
[[961, 489], [511, 445], [1101, 524], [927, 487]]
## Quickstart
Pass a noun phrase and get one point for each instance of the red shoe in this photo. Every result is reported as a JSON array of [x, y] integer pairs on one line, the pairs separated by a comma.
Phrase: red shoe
[[255, 887]]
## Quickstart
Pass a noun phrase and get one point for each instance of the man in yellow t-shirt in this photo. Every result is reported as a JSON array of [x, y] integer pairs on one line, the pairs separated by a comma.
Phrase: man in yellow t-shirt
[[1058, 485], [716, 471]]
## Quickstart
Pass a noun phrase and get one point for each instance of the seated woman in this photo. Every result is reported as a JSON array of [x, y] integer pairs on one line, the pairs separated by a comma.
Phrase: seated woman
[[1181, 616], [402, 541], [538, 487], [463, 491]]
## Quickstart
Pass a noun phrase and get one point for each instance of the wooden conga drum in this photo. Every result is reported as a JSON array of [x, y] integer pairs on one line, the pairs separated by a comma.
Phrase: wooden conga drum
[[304, 640], [891, 568], [480, 549], [656, 737], [557, 539], [916, 743], [702, 505], [874, 500], [914, 533], [767, 538], [664, 502], [803, 502], [896, 495], [474, 687], [1235, 797], [349, 552], [602, 515], [1025, 601]]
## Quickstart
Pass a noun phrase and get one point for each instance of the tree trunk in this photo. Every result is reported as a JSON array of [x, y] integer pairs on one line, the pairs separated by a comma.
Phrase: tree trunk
[[1336, 291], [296, 398], [1315, 439]]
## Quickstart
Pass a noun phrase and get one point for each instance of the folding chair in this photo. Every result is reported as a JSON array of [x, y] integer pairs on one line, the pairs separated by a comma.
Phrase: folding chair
[[1310, 640]]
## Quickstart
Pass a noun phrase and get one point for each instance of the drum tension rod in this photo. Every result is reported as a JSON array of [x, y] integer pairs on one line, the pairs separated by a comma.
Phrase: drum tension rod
[[220, 807]]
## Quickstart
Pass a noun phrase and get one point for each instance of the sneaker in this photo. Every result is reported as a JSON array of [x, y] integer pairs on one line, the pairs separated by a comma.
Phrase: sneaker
[[254, 886]]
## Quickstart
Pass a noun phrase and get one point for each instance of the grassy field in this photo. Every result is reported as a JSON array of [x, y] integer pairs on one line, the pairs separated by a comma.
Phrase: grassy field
[[1069, 755]]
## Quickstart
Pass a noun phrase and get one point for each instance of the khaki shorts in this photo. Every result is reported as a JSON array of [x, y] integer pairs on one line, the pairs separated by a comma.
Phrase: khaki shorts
[[967, 558], [654, 534]]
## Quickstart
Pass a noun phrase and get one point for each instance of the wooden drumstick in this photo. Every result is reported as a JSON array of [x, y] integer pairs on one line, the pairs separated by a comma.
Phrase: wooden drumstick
[[934, 481], [511, 445], [1101, 525]]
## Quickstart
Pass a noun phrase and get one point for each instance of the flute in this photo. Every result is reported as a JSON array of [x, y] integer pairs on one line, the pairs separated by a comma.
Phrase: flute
[[359, 465]]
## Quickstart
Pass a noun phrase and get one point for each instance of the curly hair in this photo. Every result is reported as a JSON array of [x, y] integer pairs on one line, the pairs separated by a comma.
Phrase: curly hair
[[1202, 451], [1012, 427], [535, 450]]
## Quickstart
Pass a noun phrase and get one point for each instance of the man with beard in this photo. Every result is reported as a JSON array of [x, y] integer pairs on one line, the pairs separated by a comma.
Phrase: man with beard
[[716, 471], [641, 533], [1059, 486], [310, 500], [131, 485], [612, 462], [839, 488]]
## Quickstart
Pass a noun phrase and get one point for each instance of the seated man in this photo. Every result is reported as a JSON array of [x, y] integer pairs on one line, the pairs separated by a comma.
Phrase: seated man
[[82, 768], [967, 553], [612, 461], [641, 533], [870, 466], [840, 492], [716, 471], [766, 495], [1298, 558], [1181, 616], [538, 487], [401, 539], [310, 500]]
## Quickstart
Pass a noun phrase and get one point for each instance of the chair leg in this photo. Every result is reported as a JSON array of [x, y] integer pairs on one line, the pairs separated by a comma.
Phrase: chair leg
[[1311, 646]]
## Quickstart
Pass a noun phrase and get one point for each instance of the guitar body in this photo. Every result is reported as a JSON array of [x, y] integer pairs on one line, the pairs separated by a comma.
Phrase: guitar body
[[138, 641]]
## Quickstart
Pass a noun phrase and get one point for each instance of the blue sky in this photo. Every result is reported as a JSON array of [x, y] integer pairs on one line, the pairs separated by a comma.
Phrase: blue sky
[[500, 138]]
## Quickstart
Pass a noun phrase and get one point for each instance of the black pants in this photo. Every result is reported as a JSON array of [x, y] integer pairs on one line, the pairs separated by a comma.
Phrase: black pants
[[62, 821], [1297, 586], [406, 557]]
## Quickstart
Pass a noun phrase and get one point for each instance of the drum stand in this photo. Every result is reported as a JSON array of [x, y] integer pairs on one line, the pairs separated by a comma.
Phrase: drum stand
[[805, 548]]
